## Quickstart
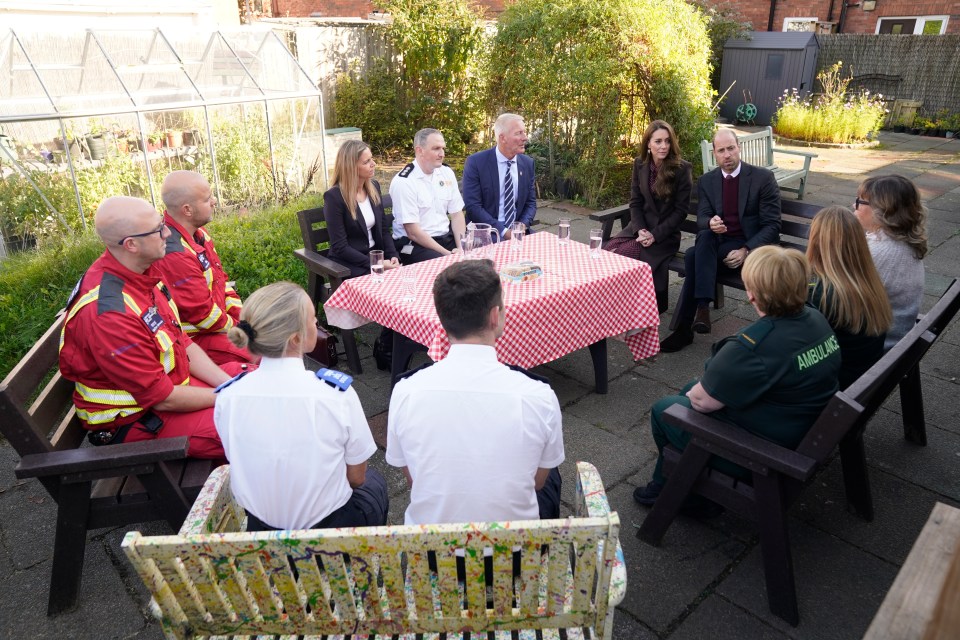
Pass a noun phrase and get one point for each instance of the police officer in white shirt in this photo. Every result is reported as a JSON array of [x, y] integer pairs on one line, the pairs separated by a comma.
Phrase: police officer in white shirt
[[427, 206], [297, 442], [478, 441]]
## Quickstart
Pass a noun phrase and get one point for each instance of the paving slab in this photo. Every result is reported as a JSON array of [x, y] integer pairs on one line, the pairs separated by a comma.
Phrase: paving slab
[[719, 619], [615, 456], [901, 509], [619, 417], [838, 586], [666, 580], [934, 466], [106, 610]]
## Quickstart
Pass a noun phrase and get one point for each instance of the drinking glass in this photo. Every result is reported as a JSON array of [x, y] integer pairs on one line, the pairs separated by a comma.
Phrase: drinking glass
[[564, 233], [376, 265], [517, 230], [466, 245], [596, 239], [409, 281]]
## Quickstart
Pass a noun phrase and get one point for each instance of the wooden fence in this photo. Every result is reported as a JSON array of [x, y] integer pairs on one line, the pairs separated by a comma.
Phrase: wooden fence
[[925, 68]]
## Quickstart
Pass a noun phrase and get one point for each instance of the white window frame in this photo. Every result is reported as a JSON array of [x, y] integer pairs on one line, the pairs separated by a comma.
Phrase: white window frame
[[787, 21], [921, 21]]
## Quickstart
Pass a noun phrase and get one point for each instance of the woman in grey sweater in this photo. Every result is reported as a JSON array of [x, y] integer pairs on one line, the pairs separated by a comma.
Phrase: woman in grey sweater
[[891, 213]]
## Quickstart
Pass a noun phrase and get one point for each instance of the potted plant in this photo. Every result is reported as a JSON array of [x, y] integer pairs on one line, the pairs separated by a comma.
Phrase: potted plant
[[899, 126], [100, 142], [173, 139], [153, 140]]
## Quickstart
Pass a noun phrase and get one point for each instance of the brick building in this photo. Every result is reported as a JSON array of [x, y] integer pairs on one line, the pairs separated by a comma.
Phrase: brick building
[[345, 8], [837, 16], [853, 16]]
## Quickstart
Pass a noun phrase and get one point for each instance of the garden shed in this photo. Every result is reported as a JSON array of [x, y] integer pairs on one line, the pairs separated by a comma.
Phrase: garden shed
[[764, 65], [89, 114]]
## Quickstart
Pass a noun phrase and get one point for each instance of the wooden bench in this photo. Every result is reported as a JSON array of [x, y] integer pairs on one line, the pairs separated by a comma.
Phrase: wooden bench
[[777, 474], [214, 579], [795, 219], [93, 487], [757, 149], [924, 601]]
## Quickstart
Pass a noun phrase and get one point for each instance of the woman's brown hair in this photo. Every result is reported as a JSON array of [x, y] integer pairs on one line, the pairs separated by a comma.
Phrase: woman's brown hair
[[663, 184], [895, 202]]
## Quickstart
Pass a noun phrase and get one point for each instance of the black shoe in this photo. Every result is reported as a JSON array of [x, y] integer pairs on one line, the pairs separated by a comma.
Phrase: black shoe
[[701, 322], [383, 358], [677, 340], [648, 495], [694, 506]]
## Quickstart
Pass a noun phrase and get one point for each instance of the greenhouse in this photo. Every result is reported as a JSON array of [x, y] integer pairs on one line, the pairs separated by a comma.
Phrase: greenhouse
[[91, 114]]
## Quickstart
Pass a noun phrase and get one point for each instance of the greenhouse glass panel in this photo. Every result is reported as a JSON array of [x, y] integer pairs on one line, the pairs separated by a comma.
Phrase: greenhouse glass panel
[[91, 114]]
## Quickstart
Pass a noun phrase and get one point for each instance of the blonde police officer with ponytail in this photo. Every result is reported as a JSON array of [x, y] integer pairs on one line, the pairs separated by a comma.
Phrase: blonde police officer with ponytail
[[297, 442]]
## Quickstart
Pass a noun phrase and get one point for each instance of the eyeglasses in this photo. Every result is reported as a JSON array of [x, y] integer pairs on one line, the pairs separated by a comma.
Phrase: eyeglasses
[[158, 231], [857, 202]]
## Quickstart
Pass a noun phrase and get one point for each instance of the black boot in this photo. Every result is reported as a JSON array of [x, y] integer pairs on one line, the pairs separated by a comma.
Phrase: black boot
[[677, 340], [383, 349]]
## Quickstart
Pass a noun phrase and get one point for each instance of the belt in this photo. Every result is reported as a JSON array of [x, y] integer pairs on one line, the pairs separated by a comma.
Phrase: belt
[[148, 420]]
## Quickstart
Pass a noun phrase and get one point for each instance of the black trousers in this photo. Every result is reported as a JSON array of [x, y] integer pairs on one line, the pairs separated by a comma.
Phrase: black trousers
[[420, 254], [367, 507], [702, 262]]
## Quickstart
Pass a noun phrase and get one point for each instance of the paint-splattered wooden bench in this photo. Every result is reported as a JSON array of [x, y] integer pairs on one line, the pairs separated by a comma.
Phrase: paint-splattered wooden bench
[[214, 579]]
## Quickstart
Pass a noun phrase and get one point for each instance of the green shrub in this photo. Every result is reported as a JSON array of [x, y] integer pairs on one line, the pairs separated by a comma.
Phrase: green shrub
[[256, 249], [372, 102], [833, 116], [438, 48], [34, 285], [594, 74]]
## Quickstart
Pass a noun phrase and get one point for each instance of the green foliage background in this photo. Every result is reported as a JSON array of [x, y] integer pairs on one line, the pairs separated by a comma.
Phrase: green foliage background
[[438, 48], [256, 249], [591, 76]]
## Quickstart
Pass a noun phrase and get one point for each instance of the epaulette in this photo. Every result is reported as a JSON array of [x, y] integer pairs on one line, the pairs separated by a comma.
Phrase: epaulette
[[406, 170], [336, 379], [230, 381], [407, 374], [758, 331], [110, 296], [174, 243], [530, 374]]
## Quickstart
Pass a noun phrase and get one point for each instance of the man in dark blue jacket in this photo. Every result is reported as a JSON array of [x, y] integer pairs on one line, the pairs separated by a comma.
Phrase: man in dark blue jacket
[[498, 184]]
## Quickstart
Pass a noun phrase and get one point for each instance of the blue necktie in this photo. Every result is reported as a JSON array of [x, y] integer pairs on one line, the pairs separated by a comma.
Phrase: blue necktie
[[509, 202]]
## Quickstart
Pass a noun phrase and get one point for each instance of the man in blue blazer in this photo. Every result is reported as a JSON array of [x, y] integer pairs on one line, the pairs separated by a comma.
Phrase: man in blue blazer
[[489, 176]]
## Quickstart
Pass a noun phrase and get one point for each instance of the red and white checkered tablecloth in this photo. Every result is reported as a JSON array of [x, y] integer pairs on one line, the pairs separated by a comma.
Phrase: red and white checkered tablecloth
[[577, 301]]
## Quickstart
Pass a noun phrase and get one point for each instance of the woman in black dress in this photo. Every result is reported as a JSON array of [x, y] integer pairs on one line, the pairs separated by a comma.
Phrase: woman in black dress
[[659, 201]]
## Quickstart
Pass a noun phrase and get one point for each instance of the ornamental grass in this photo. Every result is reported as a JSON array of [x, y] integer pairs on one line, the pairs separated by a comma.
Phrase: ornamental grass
[[834, 116]]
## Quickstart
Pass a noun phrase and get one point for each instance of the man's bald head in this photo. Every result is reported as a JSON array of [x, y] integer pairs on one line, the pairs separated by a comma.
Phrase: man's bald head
[[187, 197], [122, 216]]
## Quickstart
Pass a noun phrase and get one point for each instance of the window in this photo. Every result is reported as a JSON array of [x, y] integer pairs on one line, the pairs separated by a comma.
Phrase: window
[[800, 24], [913, 25], [774, 67]]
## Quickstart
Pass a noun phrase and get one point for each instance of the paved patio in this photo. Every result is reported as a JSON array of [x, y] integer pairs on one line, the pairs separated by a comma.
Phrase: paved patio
[[706, 579]]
